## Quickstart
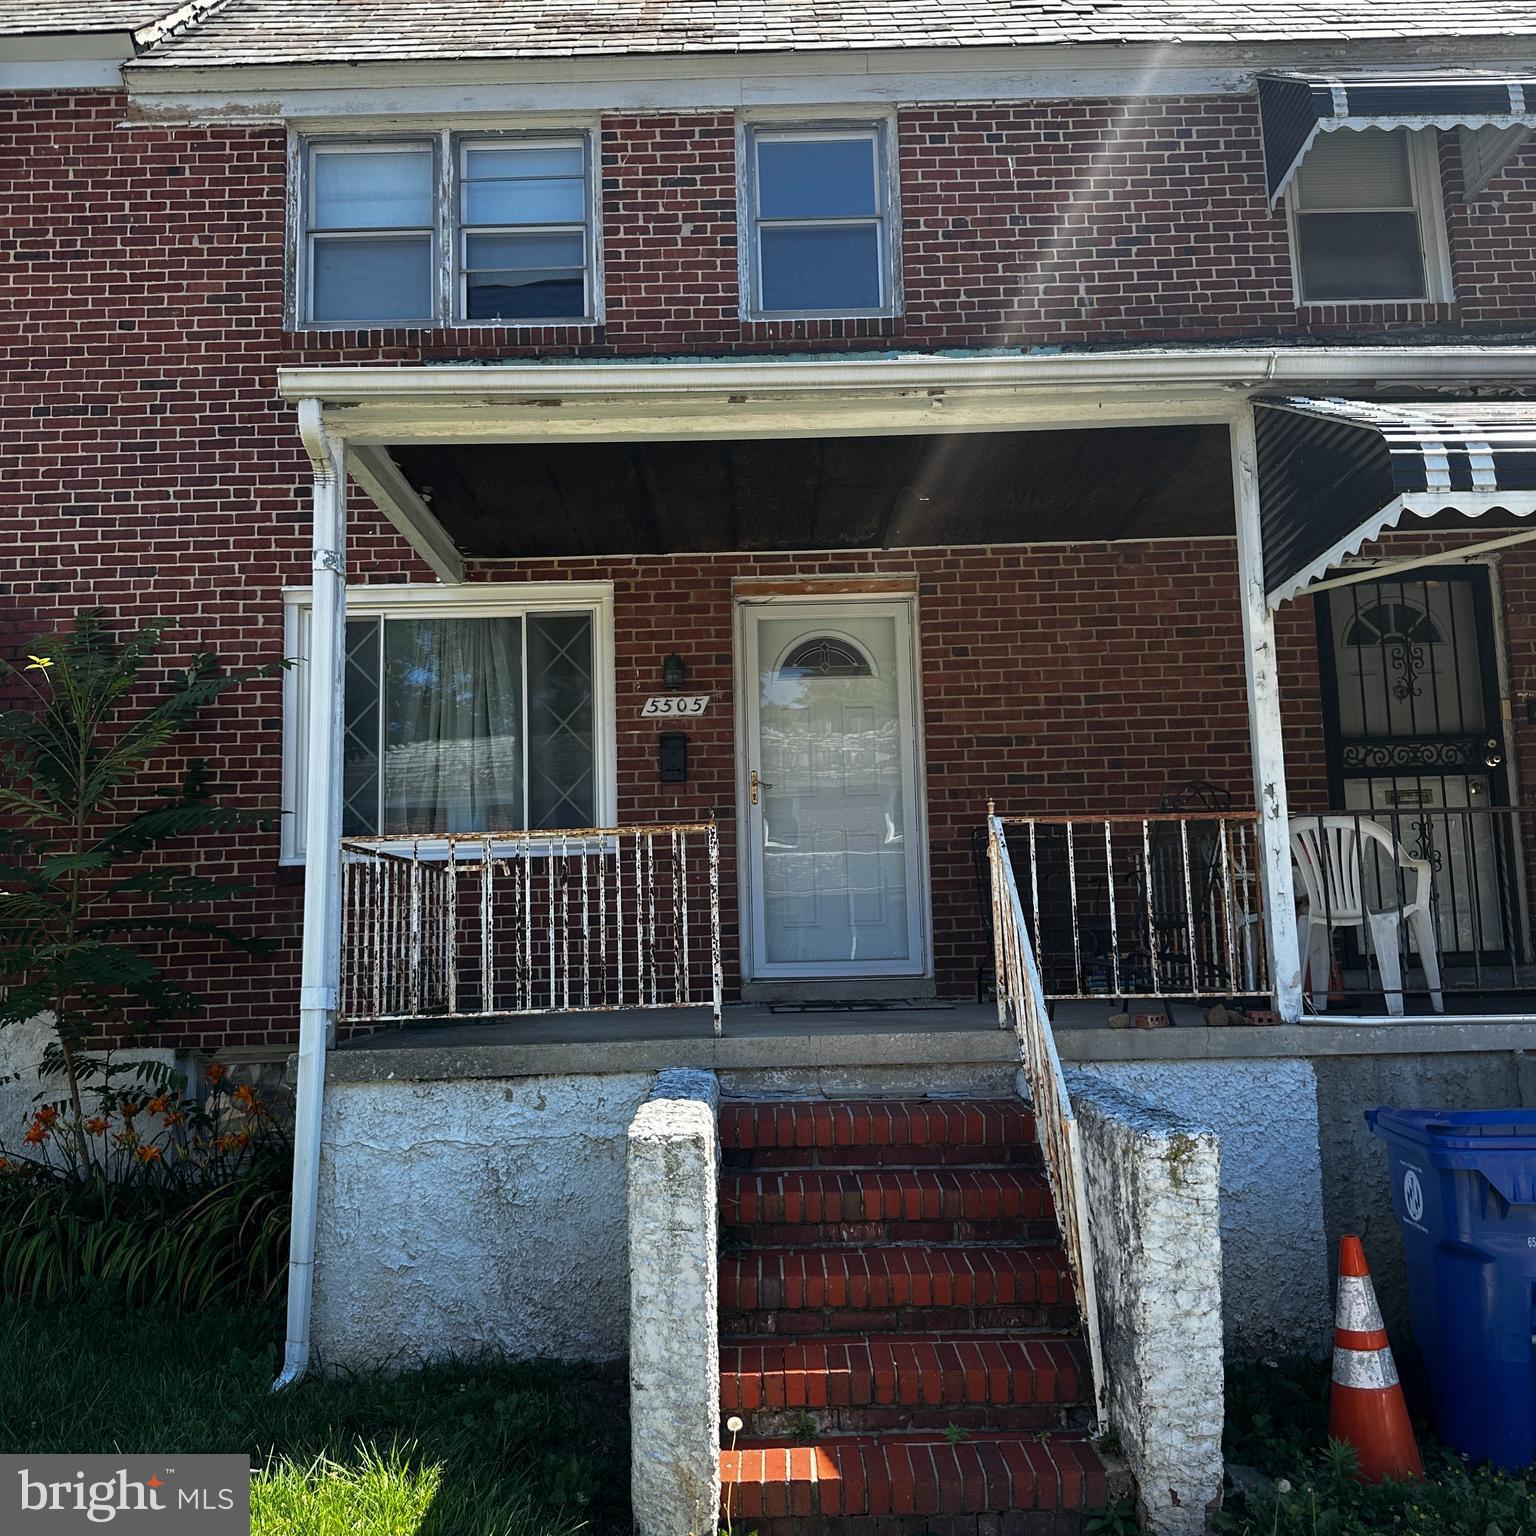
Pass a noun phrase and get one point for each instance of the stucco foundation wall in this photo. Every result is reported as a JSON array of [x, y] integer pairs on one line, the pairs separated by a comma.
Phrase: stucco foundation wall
[[1354, 1164], [1275, 1279], [456, 1217], [1154, 1201]]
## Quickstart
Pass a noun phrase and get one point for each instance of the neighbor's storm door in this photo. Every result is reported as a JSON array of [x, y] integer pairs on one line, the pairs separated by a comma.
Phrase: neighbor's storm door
[[1415, 741]]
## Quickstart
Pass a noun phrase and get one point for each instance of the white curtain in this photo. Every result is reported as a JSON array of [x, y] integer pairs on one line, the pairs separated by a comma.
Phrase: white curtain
[[453, 755]]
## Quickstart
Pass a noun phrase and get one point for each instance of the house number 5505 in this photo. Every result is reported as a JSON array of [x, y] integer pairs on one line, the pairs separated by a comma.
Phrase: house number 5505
[[673, 704]]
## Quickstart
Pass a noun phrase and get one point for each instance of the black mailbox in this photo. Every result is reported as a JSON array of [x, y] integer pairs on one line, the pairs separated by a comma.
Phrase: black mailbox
[[674, 758]]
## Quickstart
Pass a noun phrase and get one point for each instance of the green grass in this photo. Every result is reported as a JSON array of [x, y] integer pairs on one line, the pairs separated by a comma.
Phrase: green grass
[[1277, 1421], [471, 1449]]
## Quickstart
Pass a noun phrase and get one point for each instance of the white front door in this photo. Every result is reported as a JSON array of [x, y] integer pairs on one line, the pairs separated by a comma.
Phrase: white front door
[[833, 845]]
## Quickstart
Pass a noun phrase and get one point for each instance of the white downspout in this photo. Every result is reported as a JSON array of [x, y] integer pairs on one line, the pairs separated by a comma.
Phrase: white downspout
[[1266, 737], [320, 980]]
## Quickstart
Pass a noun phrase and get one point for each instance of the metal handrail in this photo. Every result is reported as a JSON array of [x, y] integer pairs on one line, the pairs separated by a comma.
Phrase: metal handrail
[[1021, 1006], [570, 920]]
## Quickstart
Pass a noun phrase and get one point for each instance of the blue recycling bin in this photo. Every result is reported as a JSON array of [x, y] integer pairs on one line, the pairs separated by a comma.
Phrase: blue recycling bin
[[1464, 1190]]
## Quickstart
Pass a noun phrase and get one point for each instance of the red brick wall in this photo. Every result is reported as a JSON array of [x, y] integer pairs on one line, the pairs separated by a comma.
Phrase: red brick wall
[[151, 468]]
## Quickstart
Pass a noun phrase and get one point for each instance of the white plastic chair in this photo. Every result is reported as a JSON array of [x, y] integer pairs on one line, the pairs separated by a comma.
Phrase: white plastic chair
[[1330, 857]]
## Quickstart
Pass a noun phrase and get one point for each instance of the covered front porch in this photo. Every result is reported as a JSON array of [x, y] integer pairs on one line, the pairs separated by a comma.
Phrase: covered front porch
[[1031, 584]]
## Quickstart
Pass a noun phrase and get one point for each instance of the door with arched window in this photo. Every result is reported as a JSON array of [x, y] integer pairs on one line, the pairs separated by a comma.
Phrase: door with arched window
[[832, 851], [1416, 742]]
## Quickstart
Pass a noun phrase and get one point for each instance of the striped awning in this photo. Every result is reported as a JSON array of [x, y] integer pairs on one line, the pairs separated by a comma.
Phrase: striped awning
[[1495, 112], [1336, 474]]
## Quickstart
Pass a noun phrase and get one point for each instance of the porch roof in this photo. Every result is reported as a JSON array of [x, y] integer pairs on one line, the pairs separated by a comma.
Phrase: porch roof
[[1336, 474]]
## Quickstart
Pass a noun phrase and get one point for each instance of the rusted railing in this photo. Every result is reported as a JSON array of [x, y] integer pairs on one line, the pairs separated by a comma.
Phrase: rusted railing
[[1021, 1007], [1166, 905], [595, 919]]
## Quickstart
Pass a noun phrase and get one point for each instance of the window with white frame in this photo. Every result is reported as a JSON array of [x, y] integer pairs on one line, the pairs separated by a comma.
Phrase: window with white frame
[[819, 215], [448, 229], [464, 718], [1366, 218]]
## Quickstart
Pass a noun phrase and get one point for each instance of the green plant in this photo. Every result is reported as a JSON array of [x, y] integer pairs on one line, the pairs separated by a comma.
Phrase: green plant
[[801, 1427], [1277, 1421], [87, 886], [954, 1434], [183, 1202], [1117, 1519]]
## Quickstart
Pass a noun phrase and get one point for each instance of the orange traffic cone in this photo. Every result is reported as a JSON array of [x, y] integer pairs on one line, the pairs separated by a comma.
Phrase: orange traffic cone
[[1367, 1407]]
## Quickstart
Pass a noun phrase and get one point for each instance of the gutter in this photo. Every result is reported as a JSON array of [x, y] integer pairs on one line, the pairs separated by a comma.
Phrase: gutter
[[1223, 370]]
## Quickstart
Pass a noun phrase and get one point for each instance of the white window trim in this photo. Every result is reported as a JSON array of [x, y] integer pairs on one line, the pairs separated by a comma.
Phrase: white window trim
[[447, 308], [497, 599], [882, 129], [1428, 204]]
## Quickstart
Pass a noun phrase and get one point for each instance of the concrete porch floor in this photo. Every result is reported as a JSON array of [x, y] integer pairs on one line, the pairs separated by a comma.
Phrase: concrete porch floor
[[958, 1034]]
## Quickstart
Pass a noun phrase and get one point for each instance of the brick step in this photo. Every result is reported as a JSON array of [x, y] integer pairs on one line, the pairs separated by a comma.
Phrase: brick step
[[893, 1477], [904, 1381], [874, 1202], [853, 1133], [814, 1291]]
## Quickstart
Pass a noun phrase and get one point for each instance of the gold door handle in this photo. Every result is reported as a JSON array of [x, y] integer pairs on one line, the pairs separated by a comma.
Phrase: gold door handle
[[757, 784]]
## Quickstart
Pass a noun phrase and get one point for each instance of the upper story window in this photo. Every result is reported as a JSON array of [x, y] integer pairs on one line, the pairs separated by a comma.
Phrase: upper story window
[[818, 203], [448, 229], [1366, 219]]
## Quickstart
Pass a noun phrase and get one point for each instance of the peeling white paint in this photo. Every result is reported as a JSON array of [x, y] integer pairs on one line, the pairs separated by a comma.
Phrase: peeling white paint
[[674, 1332], [456, 1217], [1154, 1202]]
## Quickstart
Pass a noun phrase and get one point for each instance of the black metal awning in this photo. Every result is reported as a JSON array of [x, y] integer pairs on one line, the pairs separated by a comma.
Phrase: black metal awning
[[1495, 114], [1336, 474]]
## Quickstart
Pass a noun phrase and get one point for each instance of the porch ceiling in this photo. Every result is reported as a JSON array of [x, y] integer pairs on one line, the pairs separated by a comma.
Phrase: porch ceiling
[[508, 500]]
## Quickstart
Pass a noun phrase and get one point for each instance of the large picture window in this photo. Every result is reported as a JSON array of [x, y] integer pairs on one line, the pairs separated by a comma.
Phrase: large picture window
[[485, 229], [465, 721]]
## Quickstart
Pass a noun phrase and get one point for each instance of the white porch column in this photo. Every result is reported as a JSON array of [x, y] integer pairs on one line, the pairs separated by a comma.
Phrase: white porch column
[[320, 981], [1265, 736]]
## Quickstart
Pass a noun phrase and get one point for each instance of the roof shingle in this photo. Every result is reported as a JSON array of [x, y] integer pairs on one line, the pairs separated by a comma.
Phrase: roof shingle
[[355, 31]]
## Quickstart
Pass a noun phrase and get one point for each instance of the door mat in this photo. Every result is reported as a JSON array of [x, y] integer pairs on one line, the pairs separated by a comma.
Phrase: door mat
[[863, 1005]]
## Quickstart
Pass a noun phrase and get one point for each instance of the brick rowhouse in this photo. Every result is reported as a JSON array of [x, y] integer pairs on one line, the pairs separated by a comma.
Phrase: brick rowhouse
[[151, 468]]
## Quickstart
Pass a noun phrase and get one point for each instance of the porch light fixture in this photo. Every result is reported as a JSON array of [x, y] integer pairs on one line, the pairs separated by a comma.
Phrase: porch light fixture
[[673, 673]]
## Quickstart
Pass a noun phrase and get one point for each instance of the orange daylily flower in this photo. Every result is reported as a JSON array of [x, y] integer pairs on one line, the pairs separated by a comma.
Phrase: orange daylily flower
[[97, 1126], [243, 1139], [158, 1104], [148, 1154], [217, 1073], [175, 1117], [36, 1135], [245, 1095], [47, 1115], [129, 1108]]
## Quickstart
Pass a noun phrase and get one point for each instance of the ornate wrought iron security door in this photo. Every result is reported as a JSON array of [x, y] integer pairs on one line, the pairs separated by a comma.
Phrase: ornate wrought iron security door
[[1416, 741]]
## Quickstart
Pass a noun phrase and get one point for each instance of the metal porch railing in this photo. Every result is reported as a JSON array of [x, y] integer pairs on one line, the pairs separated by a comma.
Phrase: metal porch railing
[[1166, 905], [593, 919], [1021, 1006]]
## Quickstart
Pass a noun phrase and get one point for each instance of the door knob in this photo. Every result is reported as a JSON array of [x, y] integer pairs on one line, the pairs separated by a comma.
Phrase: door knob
[[757, 784]]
